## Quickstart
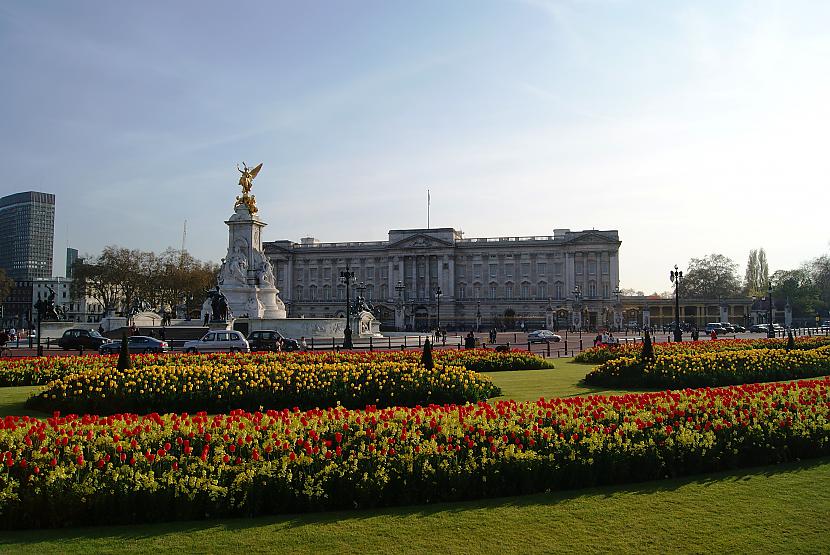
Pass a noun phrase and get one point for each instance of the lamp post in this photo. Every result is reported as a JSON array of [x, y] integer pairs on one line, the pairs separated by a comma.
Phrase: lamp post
[[675, 276], [478, 315], [770, 328], [617, 309], [399, 289], [438, 308], [347, 277]]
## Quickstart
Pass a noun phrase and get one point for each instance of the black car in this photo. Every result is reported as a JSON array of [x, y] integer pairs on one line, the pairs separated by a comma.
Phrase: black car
[[267, 340], [78, 338], [137, 344], [738, 328]]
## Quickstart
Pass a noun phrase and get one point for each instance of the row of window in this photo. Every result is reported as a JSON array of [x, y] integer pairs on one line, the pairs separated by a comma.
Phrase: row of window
[[524, 291]]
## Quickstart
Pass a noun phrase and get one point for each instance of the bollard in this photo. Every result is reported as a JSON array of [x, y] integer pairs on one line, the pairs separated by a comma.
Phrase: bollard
[[580, 344], [370, 344], [390, 342], [333, 345], [419, 341], [514, 338], [548, 349], [528, 346]]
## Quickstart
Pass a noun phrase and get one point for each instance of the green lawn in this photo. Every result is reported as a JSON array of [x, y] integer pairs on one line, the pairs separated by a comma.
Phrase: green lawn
[[769, 509]]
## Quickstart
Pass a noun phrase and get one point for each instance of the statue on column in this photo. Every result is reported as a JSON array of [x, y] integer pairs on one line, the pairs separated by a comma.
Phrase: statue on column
[[246, 182]]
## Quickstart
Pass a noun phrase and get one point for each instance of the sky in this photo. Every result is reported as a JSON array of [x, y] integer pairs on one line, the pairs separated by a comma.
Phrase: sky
[[691, 127]]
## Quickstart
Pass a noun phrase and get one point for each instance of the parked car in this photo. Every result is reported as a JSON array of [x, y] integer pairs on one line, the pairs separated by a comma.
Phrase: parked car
[[267, 340], [543, 336], [758, 328], [728, 328], [218, 341], [738, 328], [137, 344], [717, 327], [825, 324], [78, 338]]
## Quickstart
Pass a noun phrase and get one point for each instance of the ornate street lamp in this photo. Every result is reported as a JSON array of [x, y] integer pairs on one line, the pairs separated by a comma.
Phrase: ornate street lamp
[[478, 315], [399, 305], [675, 276], [617, 309], [347, 277], [438, 308], [770, 328]]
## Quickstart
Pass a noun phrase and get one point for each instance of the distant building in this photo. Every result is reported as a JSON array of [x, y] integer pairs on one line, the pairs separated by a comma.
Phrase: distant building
[[71, 258], [27, 232], [72, 309], [559, 280]]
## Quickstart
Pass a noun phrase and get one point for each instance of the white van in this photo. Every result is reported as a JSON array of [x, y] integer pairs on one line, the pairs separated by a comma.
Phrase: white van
[[219, 341]]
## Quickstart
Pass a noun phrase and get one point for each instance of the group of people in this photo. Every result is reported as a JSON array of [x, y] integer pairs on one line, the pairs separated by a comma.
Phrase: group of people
[[605, 338], [440, 335]]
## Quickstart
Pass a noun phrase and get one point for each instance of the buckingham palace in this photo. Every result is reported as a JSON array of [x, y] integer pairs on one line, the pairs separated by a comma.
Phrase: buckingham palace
[[421, 278]]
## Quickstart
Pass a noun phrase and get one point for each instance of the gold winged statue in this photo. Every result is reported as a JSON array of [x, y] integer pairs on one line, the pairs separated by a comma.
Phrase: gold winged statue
[[245, 181]]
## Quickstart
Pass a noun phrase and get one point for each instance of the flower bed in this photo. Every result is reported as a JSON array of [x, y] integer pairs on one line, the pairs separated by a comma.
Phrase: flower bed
[[125, 468], [40, 371], [698, 369], [230, 382], [599, 355]]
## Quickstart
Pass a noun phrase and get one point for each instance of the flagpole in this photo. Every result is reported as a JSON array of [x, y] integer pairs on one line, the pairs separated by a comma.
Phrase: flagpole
[[428, 208]]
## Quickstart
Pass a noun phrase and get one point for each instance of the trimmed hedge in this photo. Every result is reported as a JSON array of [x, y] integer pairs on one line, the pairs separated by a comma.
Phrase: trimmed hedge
[[701, 369]]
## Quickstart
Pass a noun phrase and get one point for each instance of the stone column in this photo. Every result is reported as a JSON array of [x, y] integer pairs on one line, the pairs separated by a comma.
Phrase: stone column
[[414, 276], [390, 286], [289, 279], [439, 261], [451, 284]]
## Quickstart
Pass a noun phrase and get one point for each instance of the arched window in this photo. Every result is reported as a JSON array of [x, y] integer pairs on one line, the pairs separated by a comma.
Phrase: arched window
[[592, 289], [326, 292], [508, 291], [312, 293], [299, 292], [542, 290], [384, 292], [370, 292]]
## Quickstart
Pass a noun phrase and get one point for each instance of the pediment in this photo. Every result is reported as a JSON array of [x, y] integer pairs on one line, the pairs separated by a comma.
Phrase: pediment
[[590, 238], [420, 241]]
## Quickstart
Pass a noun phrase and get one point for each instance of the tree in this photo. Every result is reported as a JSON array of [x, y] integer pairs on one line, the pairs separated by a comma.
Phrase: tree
[[134, 279], [712, 277], [124, 361], [426, 356], [752, 278], [509, 318], [647, 353], [6, 285], [628, 292], [763, 269], [797, 288]]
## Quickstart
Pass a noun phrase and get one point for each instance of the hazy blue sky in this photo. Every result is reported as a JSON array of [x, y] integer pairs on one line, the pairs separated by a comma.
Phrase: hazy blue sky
[[692, 127]]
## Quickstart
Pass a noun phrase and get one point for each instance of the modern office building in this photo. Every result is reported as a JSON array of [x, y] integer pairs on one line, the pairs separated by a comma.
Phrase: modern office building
[[27, 231], [71, 259], [561, 280]]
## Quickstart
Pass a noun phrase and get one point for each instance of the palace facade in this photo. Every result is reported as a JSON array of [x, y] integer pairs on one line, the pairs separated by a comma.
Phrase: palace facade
[[420, 277]]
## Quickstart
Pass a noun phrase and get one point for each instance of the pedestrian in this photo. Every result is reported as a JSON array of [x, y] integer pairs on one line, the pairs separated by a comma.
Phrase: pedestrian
[[303, 345], [714, 335]]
